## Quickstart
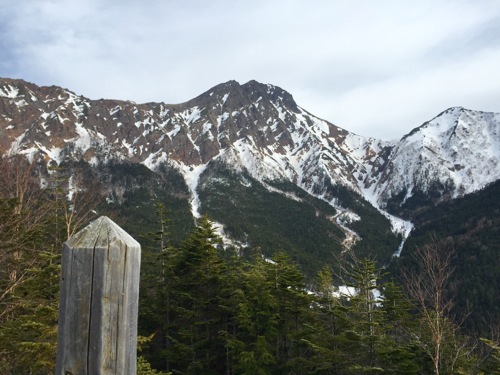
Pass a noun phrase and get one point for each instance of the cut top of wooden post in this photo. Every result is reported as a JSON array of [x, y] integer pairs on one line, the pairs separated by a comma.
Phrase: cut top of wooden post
[[101, 233]]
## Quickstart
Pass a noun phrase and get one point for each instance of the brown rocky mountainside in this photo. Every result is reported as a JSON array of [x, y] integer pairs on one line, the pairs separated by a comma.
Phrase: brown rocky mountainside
[[258, 127], [264, 118]]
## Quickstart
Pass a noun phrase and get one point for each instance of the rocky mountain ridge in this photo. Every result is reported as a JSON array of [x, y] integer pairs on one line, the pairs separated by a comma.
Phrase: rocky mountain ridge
[[456, 153], [258, 128]]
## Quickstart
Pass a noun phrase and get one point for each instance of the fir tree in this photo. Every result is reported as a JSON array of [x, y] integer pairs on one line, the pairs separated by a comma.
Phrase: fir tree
[[199, 269], [28, 341], [365, 333], [492, 366], [332, 312], [158, 289], [397, 353], [296, 319], [256, 321]]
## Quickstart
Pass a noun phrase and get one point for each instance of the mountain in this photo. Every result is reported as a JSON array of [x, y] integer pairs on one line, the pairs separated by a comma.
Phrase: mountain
[[270, 173], [259, 127], [253, 127], [454, 154]]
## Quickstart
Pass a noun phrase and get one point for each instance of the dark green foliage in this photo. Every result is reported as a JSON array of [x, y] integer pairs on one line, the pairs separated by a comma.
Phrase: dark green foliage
[[157, 289], [296, 321], [474, 223], [216, 316], [214, 312], [378, 241], [492, 365], [29, 288], [180, 300], [366, 317], [251, 213], [135, 189], [269, 220], [435, 193], [200, 273], [253, 321], [396, 308], [359, 335], [144, 368], [287, 186], [30, 339], [397, 354], [257, 317]]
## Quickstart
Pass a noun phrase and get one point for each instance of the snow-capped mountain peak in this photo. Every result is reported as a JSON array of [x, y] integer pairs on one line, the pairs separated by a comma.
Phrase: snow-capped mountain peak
[[258, 127], [454, 154]]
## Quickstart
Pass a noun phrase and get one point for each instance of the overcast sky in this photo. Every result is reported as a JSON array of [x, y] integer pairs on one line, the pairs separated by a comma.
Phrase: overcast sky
[[376, 68]]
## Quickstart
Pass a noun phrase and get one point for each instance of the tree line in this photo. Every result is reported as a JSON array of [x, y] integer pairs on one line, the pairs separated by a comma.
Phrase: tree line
[[206, 310], [212, 313]]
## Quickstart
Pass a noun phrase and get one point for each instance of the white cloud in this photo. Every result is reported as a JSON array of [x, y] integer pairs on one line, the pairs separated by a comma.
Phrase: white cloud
[[391, 107], [375, 68]]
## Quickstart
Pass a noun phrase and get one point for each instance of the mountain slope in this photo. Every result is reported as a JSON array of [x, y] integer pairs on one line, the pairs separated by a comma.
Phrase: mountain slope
[[258, 132], [456, 153], [261, 123], [473, 222]]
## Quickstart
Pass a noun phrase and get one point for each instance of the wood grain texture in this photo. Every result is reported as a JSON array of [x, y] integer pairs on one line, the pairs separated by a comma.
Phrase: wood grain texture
[[97, 332]]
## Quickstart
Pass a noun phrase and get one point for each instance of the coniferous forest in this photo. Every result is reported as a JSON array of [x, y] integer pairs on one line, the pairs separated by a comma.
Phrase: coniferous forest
[[204, 309]]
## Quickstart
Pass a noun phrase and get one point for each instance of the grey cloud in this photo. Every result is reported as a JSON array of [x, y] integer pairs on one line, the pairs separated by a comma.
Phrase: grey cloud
[[462, 45], [374, 68]]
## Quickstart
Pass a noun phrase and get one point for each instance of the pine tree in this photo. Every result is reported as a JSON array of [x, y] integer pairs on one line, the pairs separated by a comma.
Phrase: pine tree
[[492, 366], [29, 282], [332, 311], [28, 341], [197, 344], [229, 302], [365, 333], [397, 353], [296, 319], [256, 321], [143, 366], [158, 289]]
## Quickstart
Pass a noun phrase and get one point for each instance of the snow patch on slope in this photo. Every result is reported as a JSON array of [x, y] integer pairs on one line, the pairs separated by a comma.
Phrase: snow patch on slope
[[226, 240], [458, 151], [192, 177], [9, 91], [398, 225]]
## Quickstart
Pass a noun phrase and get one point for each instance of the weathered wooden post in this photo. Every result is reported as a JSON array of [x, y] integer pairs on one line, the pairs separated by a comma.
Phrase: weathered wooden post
[[97, 332]]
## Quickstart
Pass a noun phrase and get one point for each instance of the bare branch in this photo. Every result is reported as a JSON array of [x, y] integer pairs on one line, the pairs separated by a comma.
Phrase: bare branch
[[428, 287]]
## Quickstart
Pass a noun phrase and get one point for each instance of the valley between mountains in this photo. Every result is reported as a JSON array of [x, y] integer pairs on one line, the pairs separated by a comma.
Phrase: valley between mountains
[[272, 175]]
